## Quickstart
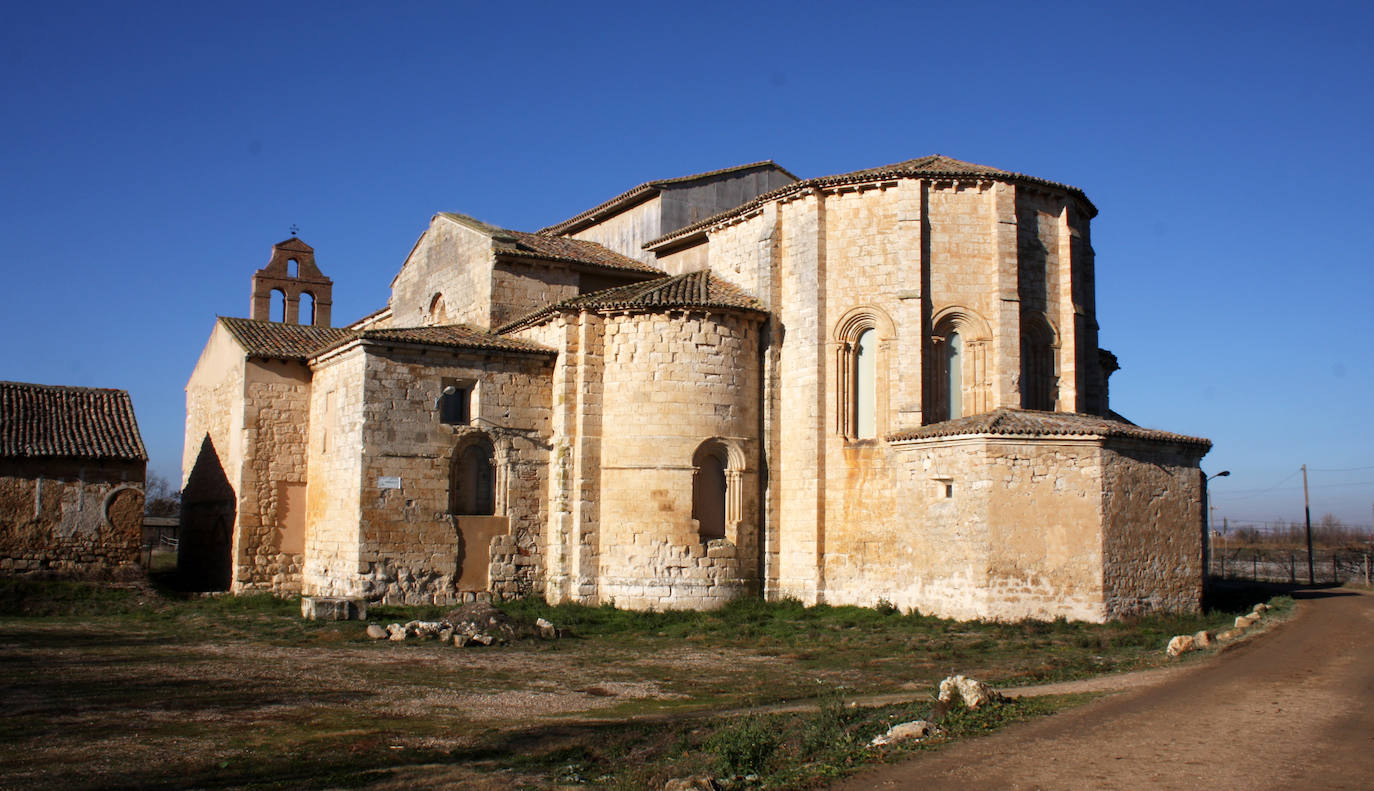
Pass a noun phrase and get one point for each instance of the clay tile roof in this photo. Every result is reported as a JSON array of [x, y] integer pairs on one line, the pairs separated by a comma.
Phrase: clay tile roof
[[278, 341], [452, 336], [1025, 422], [520, 244], [557, 248], [74, 422], [645, 191], [690, 290], [935, 166]]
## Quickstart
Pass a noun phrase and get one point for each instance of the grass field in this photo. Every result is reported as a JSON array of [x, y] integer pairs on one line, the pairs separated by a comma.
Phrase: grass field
[[109, 687]]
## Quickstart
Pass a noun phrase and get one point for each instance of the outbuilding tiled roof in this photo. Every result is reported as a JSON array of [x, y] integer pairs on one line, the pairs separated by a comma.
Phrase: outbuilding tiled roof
[[71, 422], [935, 166], [645, 191], [690, 290], [278, 341], [1026, 422], [452, 336]]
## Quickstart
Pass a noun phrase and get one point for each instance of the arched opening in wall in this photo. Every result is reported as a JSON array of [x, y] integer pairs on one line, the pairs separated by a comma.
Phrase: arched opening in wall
[[292, 267], [1039, 377], [307, 308], [710, 490], [438, 313], [861, 341], [472, 483], [957, 382], [278, 311], [865, 385], [952, 375]]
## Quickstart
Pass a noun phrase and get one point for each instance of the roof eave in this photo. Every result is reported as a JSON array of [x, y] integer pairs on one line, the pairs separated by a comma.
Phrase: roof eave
[[578, 262], [699, 230]]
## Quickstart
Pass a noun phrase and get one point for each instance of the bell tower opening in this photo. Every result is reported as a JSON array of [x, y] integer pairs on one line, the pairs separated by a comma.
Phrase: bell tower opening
[[306, 292]]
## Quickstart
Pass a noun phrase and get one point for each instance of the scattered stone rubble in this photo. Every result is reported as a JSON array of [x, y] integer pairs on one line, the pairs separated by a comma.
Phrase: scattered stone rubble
[[903, 731], [953, 689], [474, 624], [1182, 644], [974, 693]]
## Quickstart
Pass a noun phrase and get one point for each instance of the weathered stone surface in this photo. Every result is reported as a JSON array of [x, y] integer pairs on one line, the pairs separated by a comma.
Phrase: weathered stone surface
[[333, 608], [70, 517], [1204, 639], [1181, 644], [917, 729], [376, 631], [1246, 621], [1230, 634], [974, 693], [600, 452]]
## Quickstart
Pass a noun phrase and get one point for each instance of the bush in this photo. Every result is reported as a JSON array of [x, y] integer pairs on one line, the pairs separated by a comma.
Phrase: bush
[[745, 747]]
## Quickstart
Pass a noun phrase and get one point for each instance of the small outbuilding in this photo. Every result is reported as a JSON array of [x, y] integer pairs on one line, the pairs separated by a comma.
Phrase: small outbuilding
[[72, 466]]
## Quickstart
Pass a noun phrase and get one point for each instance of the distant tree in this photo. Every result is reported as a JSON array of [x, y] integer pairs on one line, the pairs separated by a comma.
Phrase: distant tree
[[159, 498]]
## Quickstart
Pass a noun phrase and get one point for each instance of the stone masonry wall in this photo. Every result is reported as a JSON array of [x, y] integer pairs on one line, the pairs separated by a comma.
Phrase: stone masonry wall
[[1152, 541], [409, 550], [673, 382], [451, 260], [519, 288], [335, 470], [1015, 534], [268, 554], [1045, 530], [70, 518], [212, 462], [798, 297], [572, 531]]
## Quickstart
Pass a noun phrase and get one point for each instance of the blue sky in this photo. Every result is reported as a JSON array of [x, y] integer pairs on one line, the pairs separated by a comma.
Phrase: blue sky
[[154, 153]]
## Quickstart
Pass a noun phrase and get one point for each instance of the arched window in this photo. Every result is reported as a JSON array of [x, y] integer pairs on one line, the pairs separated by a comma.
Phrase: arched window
[[861, 340], [709, 491], [953, 375], [957, 382], [307, 308], [472, 486], [278, 312], [1039, 380], [438, 313], [865, 384]]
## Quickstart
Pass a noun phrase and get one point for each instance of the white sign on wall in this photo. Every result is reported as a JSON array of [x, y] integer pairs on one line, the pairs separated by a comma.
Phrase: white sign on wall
[[389, 482]]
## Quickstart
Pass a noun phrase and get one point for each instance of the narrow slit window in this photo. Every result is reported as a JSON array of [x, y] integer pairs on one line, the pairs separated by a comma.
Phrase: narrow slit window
[[865, 386]]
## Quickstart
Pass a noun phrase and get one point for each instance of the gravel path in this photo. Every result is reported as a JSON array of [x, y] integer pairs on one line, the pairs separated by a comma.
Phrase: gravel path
[[1290, 710]]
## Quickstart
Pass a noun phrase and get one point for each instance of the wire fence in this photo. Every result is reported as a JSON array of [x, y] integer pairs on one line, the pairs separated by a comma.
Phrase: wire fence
[[1291, 566]]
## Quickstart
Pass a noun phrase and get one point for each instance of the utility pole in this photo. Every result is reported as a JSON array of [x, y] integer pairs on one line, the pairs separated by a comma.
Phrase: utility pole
[[1307, 509]]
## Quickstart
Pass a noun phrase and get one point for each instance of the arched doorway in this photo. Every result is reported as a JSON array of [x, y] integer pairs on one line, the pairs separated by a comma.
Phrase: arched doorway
[[472, 487]]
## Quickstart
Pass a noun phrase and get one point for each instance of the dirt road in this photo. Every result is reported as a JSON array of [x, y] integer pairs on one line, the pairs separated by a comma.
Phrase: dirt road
[[1291, 710]]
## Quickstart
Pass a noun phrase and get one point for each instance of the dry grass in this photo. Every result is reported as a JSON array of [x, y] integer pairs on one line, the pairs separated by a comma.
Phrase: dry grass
[[129, 688]]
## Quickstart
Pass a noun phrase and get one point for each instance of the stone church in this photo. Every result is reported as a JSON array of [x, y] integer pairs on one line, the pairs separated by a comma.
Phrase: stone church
[[879, 385]]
